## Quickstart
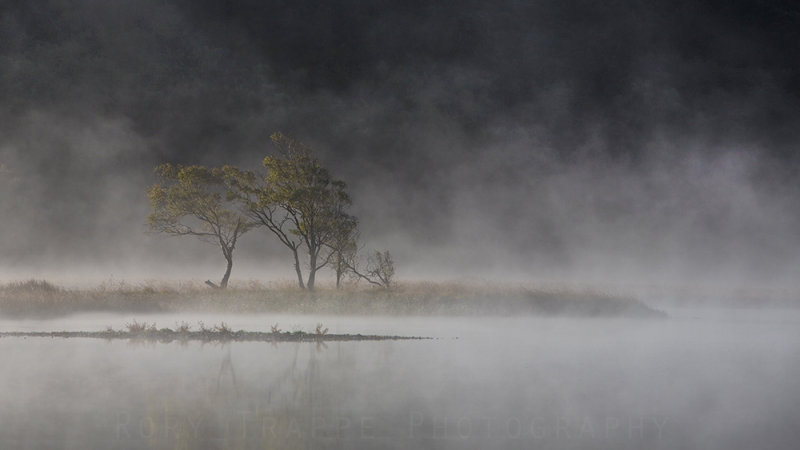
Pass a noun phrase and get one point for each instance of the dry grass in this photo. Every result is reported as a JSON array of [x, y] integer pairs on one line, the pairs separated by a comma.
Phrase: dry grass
[[135, 327], [30, 298], [182, 327]]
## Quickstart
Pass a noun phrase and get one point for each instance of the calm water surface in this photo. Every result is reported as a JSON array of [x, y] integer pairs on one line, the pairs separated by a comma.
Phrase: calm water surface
[[706, 379]]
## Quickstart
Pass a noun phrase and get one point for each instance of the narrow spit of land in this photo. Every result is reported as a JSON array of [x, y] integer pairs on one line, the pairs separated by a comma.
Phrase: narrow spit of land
[[167, 335], [36, 298]]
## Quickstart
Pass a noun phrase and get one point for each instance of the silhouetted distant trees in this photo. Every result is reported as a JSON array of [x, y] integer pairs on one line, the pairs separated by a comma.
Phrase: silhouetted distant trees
[[294, 197]]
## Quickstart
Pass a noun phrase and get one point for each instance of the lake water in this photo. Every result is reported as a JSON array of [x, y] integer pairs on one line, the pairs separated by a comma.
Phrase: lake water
[[706, 379]]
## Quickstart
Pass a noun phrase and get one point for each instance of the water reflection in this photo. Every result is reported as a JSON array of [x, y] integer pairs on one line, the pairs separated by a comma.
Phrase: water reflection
[[503, 384], [226, 368]]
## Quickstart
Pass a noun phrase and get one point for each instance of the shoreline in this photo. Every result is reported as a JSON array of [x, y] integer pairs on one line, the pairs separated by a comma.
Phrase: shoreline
[[167, 335], [35, 298]]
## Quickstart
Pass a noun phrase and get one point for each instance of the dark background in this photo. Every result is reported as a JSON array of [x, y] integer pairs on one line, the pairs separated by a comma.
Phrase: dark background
[[618, 141]]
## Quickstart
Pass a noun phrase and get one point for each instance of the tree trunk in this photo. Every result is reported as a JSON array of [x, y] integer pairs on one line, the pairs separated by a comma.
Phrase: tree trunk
[[297, 269], [339, 270], [312, 271], [224, 283]]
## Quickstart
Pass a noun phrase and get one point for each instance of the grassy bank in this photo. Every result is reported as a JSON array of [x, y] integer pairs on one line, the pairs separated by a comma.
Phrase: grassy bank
[[41, 298]]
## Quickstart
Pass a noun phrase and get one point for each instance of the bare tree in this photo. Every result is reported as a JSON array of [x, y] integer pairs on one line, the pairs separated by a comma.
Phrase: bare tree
[[379, 270], [381, 267]]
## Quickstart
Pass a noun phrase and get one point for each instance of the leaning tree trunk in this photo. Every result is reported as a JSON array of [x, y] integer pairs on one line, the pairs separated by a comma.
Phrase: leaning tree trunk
[[298, 270], [229, 257]]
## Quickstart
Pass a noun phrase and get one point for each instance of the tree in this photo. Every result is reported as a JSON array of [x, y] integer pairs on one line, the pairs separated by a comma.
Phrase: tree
[[298, 201], [379, 269], [194, 201], [344, 249], [259, 205]]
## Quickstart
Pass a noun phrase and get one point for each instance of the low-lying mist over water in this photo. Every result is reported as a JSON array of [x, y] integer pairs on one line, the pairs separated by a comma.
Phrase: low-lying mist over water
[[706, 381], [591, 208]]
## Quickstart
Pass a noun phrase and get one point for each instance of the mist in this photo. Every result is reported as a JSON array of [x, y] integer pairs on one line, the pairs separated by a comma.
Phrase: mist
[[626, 143], [697, 381], [593, 209]]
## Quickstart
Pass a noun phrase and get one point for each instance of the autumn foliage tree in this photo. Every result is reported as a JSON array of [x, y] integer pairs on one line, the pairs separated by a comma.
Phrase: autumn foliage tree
[[295, 198], [344, 249], [299, 202], [195, 201]]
